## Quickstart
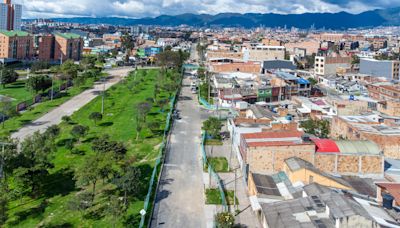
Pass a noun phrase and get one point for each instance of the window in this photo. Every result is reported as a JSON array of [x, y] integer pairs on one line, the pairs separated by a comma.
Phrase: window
[[310, 179]]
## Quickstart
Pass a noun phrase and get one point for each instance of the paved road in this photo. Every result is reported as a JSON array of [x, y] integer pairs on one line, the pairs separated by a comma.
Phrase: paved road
[[54, 116], [180, 196]]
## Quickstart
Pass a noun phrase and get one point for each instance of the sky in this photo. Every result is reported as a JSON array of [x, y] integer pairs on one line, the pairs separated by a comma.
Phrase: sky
[[152, 8]]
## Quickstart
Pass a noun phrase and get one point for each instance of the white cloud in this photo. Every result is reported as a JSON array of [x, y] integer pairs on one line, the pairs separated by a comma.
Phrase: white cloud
[[151, 8]]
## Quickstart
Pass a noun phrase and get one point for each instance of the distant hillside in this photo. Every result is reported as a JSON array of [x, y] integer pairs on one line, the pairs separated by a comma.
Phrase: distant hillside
[[340, 20]]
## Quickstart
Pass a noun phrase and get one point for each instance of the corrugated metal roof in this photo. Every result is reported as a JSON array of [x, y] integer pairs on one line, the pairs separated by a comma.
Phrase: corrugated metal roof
[[358, 147]]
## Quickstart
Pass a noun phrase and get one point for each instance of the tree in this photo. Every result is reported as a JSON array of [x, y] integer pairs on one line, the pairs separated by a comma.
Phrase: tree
[[162, 103], [154, 126], [201, 73], [81, 202], [319, 128], [96, 116], [7, 76], [105, 145], [38, 83], [128, 43], [313, 81], [34, 162], [39, 65], [115, 208], [4, 200], [66, 119], [143, 108], [52, 132], [69, 70], [89, 173], [79, 131], [7, 110], [129, 182], [213, 126], [167, 59], [139, 126], [88, 62], [224, 220]]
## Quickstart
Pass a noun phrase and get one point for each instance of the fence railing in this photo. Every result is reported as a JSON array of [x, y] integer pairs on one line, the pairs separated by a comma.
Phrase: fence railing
[[156, 174], [212, 172]]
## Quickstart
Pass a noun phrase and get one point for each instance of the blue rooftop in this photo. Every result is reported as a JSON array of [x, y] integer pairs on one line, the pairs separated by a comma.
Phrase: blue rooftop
[[303, 81]]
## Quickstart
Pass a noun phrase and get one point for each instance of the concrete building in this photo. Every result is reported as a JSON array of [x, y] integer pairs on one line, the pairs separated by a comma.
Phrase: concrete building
[[16, 45], [263, 53], [326, 210], [325, 65], [245, 67], [380, 68], [276, 65], [384, 91], [10, 16], [384, 132], [68, 46]]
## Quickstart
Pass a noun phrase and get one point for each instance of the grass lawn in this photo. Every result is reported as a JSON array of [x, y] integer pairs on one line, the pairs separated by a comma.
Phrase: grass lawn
[[119, 123], [220, 164], [213, 196], [39, 109], [213, 142]]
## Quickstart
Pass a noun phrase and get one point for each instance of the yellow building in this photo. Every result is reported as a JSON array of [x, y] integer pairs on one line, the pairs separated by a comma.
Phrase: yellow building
[[300, 170]]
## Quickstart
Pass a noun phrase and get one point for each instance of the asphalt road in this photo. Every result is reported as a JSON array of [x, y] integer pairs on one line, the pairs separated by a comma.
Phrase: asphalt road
[[68, 108], [180, 196]]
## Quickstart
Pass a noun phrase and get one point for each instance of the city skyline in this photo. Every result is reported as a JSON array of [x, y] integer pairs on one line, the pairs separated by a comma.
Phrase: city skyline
[[153, 8]]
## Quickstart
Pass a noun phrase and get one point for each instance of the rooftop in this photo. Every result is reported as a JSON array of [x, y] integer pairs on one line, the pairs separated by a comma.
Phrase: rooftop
[[14, 33], [312, 211], [68, 35]]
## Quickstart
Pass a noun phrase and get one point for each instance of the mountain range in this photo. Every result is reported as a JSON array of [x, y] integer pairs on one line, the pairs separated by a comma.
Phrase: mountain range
[[341, 20]]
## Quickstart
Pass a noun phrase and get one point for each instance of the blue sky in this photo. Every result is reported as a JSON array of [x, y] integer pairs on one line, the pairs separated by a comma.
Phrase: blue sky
[[151, 8]]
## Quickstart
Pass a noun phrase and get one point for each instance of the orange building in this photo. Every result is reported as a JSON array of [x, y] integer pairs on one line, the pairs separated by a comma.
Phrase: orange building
[[16, 45], [46, 47], [68, 46]]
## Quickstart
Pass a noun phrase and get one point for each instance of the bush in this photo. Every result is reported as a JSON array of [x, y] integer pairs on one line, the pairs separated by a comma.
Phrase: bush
[[224, 220], [76, 151], [66, 119], [69, 144]]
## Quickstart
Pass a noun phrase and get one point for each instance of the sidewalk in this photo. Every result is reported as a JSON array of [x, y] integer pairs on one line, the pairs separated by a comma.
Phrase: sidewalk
[[246, 217]]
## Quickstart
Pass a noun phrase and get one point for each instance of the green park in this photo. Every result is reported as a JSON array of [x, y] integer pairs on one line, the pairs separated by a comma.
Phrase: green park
[[94, 168]]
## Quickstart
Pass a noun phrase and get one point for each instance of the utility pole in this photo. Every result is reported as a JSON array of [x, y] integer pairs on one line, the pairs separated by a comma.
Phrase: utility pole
[[52, 88], [102, 98], [2, 159], [208, 82], [234, 192]]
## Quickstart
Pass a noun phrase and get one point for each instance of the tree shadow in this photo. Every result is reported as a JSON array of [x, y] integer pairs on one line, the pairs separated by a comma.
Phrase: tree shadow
[[25, 121], [132, 220], [63, 142], [90, 139], [63, 225], [106, 124], [59, 183], [95, 213], [162, 195], [30, 213]]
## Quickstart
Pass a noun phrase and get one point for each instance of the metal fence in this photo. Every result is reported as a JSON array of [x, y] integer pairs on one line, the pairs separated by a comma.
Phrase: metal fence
[[212, 172], [157, 165]]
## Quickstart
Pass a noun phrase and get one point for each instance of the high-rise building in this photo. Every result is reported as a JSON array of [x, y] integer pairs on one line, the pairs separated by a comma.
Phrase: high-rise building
[[10, 16]]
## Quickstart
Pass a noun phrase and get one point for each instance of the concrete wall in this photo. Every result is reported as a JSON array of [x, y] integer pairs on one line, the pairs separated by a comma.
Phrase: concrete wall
[[376, 68], [269, 160], [344, 164]]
